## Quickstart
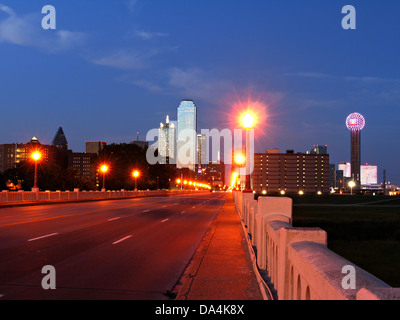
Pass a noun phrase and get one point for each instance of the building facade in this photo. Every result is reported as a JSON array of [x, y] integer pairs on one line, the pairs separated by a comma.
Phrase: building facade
[[290, 172]]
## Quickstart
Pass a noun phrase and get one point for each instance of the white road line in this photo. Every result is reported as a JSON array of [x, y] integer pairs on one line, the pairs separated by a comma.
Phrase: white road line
[[120, 240], [113, 219], [145, 210], [164, 220], [46, 236]]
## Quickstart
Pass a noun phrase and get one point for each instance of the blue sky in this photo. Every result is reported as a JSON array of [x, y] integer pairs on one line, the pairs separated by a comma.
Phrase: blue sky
[[112, 68]]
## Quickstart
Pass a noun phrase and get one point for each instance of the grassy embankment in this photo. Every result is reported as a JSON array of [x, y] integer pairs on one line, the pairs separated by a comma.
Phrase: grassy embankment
[[363, 229]]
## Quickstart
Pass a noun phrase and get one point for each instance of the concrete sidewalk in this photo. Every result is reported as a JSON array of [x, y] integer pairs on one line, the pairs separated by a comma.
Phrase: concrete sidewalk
[[222, 268]]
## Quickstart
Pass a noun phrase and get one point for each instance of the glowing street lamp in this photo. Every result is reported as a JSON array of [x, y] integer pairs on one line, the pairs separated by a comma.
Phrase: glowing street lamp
[[248, 121], [352, 184], [104, 169], [136, 175], [36, 157]]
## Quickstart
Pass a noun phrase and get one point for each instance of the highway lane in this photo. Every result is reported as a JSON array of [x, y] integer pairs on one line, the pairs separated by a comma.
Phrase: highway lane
[[115, 249]]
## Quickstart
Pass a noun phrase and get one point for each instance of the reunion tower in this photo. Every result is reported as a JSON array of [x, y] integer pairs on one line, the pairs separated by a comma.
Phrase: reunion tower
[[355, 122]]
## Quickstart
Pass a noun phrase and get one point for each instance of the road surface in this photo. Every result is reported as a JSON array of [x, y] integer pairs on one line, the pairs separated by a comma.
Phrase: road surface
[[115, 249]]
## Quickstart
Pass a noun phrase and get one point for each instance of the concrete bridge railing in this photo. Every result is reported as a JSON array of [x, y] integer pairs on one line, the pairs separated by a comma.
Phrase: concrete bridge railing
[[30, 196], [297, 260]]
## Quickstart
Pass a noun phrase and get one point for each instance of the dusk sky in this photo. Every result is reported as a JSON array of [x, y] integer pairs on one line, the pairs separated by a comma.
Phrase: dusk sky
[[112, 68]]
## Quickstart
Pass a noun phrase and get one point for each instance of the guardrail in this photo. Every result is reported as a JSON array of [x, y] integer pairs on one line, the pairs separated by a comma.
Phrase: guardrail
[[298, 263], [31, 196]]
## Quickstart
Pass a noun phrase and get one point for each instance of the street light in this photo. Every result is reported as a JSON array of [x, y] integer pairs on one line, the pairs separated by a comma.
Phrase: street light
[[352, 184], [136, 174], [104, 169], [248, 121], [36, 157], [240, 159]]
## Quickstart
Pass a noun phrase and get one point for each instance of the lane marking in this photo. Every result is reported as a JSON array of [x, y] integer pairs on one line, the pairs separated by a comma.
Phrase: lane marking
[[164, 220], [145, 210], [46, 236], [120, 240], [112, 219], [74, 214]]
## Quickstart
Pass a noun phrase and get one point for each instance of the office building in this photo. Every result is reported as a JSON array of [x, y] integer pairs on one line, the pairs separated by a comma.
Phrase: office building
[[187, 135], [214, 174], [84, 163], [7, 156], [346, 168], [276, 172], [95, 146], [202, 154], [369, 175], [318, 150], [60, 141], [167, 142]]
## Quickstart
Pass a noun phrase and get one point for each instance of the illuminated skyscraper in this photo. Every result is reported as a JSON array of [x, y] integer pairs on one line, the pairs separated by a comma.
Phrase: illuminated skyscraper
[[187, 135], [166, 141], [355, 122]]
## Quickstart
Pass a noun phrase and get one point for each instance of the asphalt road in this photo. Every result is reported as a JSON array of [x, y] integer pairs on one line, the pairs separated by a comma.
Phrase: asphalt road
[[115, 249]]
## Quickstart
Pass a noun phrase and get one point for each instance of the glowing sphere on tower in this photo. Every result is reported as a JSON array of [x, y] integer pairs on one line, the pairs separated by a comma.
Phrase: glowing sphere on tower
[[355, 121]]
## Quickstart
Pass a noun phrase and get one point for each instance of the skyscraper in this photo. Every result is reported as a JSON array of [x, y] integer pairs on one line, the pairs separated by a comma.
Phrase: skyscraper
[[166, 141], [59, 140], [187, 135], [355, 122], [202, 154]]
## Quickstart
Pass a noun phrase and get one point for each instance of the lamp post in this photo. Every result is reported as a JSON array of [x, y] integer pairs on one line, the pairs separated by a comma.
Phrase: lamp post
[[136, 174], [247, 121], [104, 169], [36, 157]]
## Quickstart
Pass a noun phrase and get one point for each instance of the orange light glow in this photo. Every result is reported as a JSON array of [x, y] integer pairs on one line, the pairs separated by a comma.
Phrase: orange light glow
[[234, 179], [36, 156], [178, 180], [240, 159], [104, 168], [136, 173]]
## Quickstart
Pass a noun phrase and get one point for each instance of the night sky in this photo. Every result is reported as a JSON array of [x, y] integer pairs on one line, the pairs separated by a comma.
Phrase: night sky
[[112, 68]]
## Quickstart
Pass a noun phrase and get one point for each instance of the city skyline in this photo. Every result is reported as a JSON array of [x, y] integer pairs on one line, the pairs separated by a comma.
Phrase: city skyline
[[106, 79]]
